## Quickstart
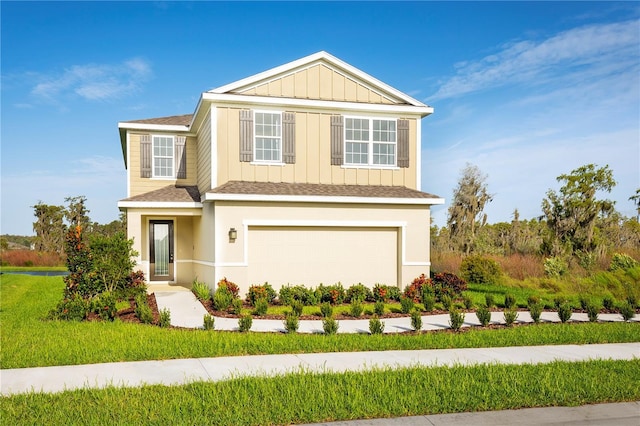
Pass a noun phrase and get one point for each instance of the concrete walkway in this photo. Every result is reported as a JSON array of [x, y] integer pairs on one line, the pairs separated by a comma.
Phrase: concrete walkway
[[182, 371], [188, 312]]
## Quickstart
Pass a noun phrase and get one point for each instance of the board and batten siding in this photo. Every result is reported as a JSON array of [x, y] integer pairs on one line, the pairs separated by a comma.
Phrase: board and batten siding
[[312, 156], [139, 185], [204, 155], [318, 82]]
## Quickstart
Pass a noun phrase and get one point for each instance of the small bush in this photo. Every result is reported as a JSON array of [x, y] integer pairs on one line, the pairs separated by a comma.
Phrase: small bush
[[257, 292], [446, 302], [105, 306], [165, 318], [468, 302], [555, 267], [208, 322], [416, 320], [564, 312], [143, 311], [394, 293], [296, 307], [232, 287], [622, 261], [222, 299], [510, 316], [592, 311], [533, 300], [356, 308], [484, 316], [330, 325], [480, 270], [380, 293], [326, 309], [73, 308], [200, 290], [429, 303], [560, 300], [375, 325], [609, 303], [406, 304], [260, 307], [291, 322], [447, 284], [535, 309], [334, 294], [288, 294], [627, 311], [489, 300], [359, 292], [245, 322], [236, 306], [414, 290], [509, 301], [378, 308], [456, 318], [584, 302]]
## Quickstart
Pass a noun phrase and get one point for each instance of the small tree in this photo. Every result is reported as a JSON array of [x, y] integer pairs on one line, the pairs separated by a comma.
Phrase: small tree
[[112, 260]]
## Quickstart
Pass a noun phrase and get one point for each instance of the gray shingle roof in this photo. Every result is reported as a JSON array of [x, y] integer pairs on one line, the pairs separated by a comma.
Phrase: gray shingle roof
[[171, 193], [174, 120]]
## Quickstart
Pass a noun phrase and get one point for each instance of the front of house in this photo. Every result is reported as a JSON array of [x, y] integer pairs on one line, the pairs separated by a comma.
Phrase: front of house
[[307, 173]]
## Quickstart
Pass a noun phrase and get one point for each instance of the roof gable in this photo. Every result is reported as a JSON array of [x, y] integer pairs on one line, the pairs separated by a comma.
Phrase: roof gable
[[319, 76]]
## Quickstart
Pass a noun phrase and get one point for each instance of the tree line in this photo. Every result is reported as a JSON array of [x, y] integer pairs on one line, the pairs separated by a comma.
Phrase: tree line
[[575, 221]]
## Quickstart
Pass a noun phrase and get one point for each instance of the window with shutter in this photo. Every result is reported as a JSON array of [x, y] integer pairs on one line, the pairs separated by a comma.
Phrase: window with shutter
[[403, 143], [368, 142], [289, 137], [145, 156], [246, 135], [337, 135], [267, 137], [181, 157], [163, 156]]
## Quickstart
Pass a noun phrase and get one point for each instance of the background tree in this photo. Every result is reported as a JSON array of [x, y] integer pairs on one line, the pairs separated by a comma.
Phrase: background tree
[[49, 228], [465, 213], [572, 214], [76, 213], [636, 201]]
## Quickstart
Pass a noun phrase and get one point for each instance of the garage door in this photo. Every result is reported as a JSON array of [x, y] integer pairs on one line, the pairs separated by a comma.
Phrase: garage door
[[314, 255]]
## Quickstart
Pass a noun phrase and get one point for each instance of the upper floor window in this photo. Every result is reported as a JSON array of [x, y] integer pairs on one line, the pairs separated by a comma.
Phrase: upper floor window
[[370, 141], [268, 137], [163, 156]]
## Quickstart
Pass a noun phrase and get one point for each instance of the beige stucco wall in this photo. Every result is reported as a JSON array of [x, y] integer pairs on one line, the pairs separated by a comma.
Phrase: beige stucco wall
[[410, 222], [319, 82], [138, 185], [313, 156]]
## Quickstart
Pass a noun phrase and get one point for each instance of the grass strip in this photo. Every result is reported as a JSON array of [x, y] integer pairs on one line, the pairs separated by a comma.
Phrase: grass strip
[[307, 398], [28, 341]]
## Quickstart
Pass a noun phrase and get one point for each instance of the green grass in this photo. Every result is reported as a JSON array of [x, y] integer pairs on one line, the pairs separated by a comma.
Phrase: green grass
[[29, 341], [8, 269], [305, 398]]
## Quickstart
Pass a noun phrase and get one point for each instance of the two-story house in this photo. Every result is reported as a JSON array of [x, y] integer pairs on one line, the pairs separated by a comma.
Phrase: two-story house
[[307, 173]]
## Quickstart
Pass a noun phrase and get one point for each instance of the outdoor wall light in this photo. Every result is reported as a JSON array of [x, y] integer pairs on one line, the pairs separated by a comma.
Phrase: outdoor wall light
[[233, 234]]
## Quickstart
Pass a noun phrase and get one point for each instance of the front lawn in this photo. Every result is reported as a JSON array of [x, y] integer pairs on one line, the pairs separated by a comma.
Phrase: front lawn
[[28, 341]]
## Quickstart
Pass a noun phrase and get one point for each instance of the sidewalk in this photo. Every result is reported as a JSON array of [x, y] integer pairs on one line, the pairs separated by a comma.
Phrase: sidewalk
[[182, 371]]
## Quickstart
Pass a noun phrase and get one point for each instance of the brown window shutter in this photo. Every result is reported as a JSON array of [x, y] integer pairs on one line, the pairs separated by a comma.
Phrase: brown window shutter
[[181, 157], [337, 140], [145, 156], [403, 143], [289, 137], [246, 135]]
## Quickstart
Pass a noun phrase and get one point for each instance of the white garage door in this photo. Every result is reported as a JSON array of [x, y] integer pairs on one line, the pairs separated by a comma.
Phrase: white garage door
[[314, 255]]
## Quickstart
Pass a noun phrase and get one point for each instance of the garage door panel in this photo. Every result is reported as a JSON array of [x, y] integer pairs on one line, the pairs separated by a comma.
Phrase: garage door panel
[[314, 255]]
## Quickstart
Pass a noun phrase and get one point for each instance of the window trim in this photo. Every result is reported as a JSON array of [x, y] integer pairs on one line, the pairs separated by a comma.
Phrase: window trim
[[279, 161], [173, 157], [370, 164]]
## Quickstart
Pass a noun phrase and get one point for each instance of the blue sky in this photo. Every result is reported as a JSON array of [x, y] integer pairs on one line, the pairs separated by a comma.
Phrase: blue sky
[[525, 91]]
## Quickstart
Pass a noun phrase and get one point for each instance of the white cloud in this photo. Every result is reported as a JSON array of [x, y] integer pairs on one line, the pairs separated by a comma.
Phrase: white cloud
[[569, 57], [95, 81]]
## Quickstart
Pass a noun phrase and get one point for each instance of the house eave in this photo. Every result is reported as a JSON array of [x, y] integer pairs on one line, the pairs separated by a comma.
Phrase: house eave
[[209, 196], [158, 205]]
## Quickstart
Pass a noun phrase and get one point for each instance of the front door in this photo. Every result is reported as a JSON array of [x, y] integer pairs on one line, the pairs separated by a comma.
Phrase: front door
[[161, 250]]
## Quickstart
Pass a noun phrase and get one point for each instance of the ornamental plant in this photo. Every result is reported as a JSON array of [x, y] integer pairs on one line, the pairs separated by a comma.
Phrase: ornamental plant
[[406, 304], [105, 306], [222, 298], [509, 301], [378, 308], [356, 308], [510, 316], [291, 322], [535, 309], [375, 325], [208, 322], [592, 311], [142, 310], [264, 291], [326, 310], [260, 307], [231, 286], [456, 318], [165, 318], [480, 270], [245, 322], [330, 325], [296, 307], [447, 284], [359, 292], [484, 316], [200, 290], [416, 320], [564, 312], [380, 293], [627, 311]]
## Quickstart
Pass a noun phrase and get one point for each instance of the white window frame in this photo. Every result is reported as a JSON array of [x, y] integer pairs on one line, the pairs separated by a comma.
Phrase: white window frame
[[370, 143], [172, 157], [277, 161]]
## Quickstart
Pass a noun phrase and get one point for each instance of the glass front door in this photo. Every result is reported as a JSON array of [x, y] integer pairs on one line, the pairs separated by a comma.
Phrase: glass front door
[[161, 250]]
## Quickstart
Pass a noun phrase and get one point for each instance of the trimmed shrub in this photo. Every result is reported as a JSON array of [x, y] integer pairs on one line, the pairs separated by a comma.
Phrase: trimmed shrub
[[484, 316], [480, 270], [609, 303], [535, 309], [378, 308], [296, 307], [105, 306], [236, 306], [456, 319], [555, 267], [510, 316], [564, 312], [260, 307], [291, 322], [447, 284], [288, 294], [489, 300], [429, 303], [208, 322], [359, 292], [627, 311], [257, 292], [584, 302], [406, 304], [468, 301], [509, 301], [143, 311], [375, 325], [245, 322], [222, 299], [72, 308], [414, 290], [231, 286], [416, 320], [446, 302], [330, 325], [533, 300], [326, 309], [559, 300], [393, 293], [200, 290], [165, 318], [592, 311], [380, 293], [622, 261], [356, 308], [333, 294]]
